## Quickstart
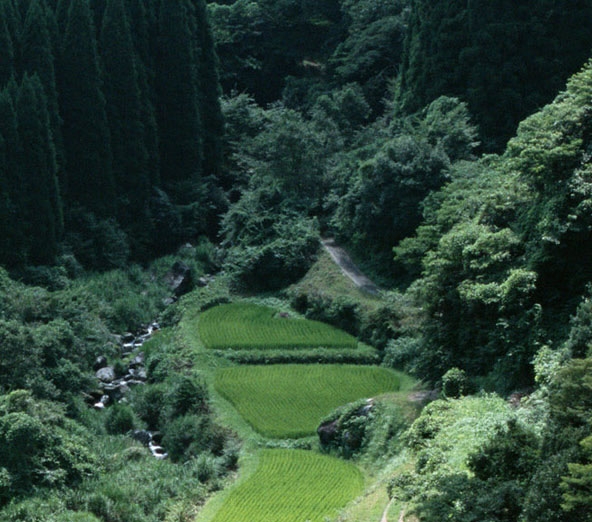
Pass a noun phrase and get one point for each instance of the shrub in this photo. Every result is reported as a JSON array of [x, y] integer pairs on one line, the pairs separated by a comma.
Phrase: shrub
[[39, 446], [149, 403], [186, 436], [186, 395], [454, 383], [120, 419]]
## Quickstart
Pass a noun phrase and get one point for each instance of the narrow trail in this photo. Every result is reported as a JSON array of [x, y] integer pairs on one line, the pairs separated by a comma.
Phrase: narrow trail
[[348, 267], [385, 513]]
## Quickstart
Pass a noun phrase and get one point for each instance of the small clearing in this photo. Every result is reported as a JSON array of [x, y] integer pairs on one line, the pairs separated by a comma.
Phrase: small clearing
[[349, 268]]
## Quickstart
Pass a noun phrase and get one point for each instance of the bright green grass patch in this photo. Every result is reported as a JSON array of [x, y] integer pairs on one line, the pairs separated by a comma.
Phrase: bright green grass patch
[[292, 486], [289, 400], [248, 326]]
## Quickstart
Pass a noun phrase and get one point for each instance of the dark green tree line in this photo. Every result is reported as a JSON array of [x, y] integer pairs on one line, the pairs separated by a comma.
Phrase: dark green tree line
[[127, 92]]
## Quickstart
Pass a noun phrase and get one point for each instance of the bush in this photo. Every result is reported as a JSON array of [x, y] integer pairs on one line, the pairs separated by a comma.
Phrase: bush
[[186, 436], [454, 383], [187, 395], [39, 446], [148, 403], [402, 353], [120, 419]]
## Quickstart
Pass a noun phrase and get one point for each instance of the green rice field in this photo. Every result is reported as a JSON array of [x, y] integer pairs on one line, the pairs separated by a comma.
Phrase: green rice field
[[243, 326], [292, 486], [289, 400]]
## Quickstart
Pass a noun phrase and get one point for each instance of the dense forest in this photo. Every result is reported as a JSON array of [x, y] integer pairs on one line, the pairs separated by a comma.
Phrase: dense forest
[[447, 146]]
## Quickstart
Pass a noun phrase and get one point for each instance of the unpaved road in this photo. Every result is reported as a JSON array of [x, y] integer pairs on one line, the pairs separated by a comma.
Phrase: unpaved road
[[348, 267]]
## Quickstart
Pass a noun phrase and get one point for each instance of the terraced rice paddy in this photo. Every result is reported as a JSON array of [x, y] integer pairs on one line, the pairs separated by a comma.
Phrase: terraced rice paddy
[[243, 326], [289, 400], [292, 486]]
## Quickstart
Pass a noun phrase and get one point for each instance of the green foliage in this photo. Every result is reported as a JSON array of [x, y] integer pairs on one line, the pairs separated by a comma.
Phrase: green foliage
[[41, 205], [280, 261], [474, 459], [82, 107], [505, 62], [511, 454], [577, 485], [284, 401], [248, 326], [124, 113], [454, 383], [188, 436], [40, 447], [186, 395], [365, 429], [120, 419], [379, 203], [363, 354], [297, 477]]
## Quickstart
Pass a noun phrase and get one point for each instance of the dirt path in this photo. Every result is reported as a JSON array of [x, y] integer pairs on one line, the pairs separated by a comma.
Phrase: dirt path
[[384, 515], [342, 259]]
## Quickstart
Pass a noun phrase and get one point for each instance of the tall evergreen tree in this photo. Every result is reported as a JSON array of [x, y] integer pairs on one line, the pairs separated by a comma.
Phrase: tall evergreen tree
[[41, 210], [86, 132], [504, 58], [211, 113], [11, 234], [9, 133], [124, 109], [37, 57], [141, 16], [7, 54], [178, 116]]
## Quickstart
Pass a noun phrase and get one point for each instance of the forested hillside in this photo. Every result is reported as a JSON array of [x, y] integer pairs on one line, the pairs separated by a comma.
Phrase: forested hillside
[[111, 129], [151, 149]]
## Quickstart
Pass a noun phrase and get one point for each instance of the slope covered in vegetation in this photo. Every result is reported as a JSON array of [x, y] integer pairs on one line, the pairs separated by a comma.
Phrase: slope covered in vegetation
[[414, 133]]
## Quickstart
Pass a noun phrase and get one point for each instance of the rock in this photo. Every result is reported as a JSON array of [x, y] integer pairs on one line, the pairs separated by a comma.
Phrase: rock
[[327, 432], [102, 403], [106, 374], [116, 391], [128, 337], [142, 436], [137, 361], [100, 362], [202, 281], [139, 374], [180, 278], [127, 348]]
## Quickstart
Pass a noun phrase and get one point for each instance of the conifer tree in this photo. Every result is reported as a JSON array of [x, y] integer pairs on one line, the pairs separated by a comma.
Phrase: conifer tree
[[180, 129], [211, 113], [12, 17], [124, 109], [7, 53], [37, 57], [10, 184], [9, 133], [41, 210], [140, 16], [82, 103]]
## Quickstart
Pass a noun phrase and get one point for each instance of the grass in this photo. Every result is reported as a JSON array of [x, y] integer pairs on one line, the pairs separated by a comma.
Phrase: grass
[[243, 326], [288, 401], [292, 486], [326, 278]]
